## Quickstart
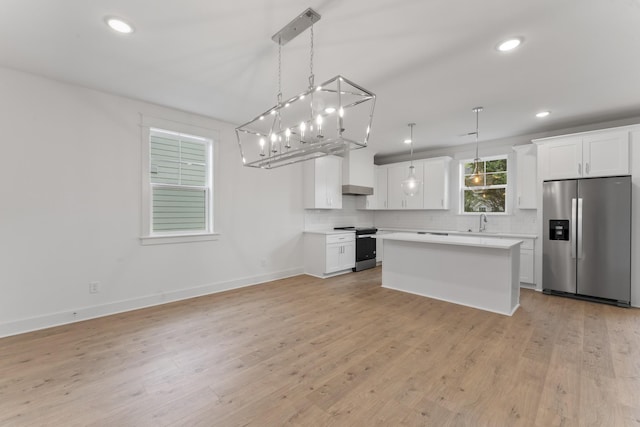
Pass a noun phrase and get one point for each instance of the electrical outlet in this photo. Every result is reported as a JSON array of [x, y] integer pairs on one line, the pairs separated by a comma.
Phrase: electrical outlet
[[94, 287]]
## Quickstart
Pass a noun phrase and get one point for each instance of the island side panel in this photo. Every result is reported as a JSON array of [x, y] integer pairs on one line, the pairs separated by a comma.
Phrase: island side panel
[[515, 278], [473, 276]]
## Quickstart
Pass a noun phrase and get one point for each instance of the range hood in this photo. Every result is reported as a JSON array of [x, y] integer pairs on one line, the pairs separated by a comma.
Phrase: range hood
[[358, 173], [357, 190]]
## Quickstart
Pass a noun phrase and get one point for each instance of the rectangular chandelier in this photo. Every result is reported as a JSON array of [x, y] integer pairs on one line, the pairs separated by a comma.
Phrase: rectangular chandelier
[[331, 118]]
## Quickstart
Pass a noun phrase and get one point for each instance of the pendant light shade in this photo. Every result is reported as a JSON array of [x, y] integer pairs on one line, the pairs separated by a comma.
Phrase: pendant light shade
[[477, 177], [412, 185]]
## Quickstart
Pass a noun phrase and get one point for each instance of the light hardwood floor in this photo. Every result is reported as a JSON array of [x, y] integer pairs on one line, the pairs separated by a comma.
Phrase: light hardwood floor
[[341, 351]]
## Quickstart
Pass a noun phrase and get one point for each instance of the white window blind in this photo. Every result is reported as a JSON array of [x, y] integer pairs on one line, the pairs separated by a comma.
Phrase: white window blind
[[180, 177]]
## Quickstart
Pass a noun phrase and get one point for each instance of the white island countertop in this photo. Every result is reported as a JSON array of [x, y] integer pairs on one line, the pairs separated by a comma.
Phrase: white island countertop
[[483, 242], [508, 235], [328, 232]]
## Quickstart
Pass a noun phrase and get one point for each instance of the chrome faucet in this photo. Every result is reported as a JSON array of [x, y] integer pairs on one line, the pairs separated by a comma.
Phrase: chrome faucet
[[483, 226]]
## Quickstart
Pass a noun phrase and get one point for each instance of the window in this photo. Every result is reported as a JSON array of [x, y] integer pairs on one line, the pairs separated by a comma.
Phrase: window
[[177, 186], [491, 195]]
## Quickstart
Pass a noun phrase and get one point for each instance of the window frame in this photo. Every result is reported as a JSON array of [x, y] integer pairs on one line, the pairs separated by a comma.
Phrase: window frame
[[207, 136], [506, 186]]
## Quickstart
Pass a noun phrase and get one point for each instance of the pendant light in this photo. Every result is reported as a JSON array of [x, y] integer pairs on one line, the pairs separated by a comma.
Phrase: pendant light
[[411, 185], [476, 179], [330, 118]]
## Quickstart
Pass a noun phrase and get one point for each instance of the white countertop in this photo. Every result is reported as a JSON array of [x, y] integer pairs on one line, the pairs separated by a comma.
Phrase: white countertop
[[462, 233], [328, 232], [481, 242]]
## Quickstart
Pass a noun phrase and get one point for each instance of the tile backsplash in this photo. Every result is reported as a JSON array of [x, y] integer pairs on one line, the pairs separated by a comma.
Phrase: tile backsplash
[[520, 221], [323, 219]]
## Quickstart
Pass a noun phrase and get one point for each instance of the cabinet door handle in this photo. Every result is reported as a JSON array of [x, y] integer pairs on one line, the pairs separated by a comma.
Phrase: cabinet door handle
[[519, 201], [579, 169], [442, 203], [586, 168]]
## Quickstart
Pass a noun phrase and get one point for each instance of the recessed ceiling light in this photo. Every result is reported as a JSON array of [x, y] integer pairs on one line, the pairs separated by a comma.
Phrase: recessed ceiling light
[[407, 141], [119, 25], [542, 114], [510, 44]]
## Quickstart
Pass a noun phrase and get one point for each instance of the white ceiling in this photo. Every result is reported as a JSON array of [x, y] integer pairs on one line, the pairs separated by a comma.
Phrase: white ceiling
[[429, 61]]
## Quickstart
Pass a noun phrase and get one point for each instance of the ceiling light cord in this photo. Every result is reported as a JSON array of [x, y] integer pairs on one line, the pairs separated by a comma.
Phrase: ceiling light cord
[[476, 178], [477, 110], [411, 125]]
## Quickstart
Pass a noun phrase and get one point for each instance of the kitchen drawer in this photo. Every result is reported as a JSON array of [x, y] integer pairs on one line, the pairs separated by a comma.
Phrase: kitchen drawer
[[341, 238]]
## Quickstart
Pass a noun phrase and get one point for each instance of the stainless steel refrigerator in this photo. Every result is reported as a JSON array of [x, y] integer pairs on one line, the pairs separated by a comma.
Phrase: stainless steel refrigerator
[[587, 238]]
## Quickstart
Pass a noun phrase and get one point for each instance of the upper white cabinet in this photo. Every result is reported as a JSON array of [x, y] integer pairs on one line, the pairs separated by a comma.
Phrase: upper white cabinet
[[605, 154], [388, 193], [381, 187], [590, 154], [323, 183], [436, 183], [396, 198], [526, 172]]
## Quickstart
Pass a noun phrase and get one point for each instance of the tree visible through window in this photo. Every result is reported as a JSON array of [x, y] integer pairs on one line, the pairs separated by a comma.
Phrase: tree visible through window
[[491, 194]]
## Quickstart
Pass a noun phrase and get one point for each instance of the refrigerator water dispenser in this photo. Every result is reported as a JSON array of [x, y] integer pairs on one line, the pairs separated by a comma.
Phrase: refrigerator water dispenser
[[558, 229]]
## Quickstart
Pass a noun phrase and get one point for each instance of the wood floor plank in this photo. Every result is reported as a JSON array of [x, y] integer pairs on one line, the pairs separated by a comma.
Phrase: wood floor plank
[[343, 351]]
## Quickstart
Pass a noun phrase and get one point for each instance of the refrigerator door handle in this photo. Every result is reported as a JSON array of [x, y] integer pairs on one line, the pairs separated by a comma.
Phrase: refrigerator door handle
[[573, 228], [580, 227]]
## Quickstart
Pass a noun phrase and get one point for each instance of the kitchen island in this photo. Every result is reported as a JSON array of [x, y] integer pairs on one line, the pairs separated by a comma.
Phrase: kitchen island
[[479, 272]]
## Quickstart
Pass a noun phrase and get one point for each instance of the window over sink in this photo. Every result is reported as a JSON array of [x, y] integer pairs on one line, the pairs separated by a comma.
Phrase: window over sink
[[491, 195]]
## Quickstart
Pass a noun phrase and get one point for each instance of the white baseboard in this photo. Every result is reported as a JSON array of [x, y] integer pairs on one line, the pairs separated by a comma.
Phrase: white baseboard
[[84, 313]]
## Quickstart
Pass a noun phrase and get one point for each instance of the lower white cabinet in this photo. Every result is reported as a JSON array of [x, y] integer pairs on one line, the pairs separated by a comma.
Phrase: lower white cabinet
[[329, 254], [527, 263]]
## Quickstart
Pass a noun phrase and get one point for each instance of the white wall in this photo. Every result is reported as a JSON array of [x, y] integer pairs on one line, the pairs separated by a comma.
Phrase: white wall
[[70, 210]]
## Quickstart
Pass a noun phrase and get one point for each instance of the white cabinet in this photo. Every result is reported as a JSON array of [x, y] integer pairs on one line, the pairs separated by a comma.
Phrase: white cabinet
[[436, 183], [605, 154], [329, 254], [341, 255], [396, 197], [590, 154], [527, 261], [381, 187], [323, 183], [526, 172]]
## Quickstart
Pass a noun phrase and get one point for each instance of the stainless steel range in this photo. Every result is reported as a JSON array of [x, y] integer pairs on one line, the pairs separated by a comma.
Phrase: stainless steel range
[[365, 246]]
